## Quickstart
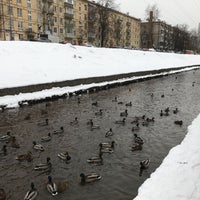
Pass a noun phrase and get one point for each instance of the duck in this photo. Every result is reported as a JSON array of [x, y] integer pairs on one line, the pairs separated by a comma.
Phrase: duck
[[144, 164], [120, 103], [59, 131], [95, 103], [175, 111], [105, 149], [124, 114], [109, 133], [121, 121], [128, 104], [93, 127], [96, 160], [178, 122], [14, 144], [78, 101], [136, 128], [46, 138], [136, 147], [150, 119], [3, 150], [64, 156], [107, 144], [90, 122], [32, 193], [89, 178], [44, 123], [115, 99], [2, 194], [162, 96], [28, 157], [74, 122], [51, 187], [161, 113], [5, 137], [44, 166], [38, 146], [99, 113], [138, 140]]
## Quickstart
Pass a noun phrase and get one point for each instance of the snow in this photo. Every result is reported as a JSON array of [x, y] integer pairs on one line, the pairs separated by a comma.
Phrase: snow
[[29, 63]]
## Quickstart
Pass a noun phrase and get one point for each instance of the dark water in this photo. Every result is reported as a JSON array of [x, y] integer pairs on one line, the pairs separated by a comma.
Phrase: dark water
[[120, 170]]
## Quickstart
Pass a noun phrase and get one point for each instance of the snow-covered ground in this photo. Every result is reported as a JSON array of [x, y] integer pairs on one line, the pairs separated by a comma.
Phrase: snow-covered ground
[[28, 63]]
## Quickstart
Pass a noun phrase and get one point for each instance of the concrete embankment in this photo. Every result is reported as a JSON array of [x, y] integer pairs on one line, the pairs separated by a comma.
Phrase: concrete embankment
[[39, 87]]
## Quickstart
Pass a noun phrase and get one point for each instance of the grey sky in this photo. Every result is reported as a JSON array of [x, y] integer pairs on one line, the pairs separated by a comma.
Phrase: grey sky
[[172, 11]]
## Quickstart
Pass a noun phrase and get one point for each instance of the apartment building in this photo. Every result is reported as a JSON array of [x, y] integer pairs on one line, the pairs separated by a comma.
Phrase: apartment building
[[114, 29], [158, 35]]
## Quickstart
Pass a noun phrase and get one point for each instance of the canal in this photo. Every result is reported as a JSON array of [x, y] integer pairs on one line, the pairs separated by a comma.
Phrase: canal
[[120, 169]]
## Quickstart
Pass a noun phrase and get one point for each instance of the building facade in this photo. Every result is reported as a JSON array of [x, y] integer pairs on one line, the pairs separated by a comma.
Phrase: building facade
[[75, 21]]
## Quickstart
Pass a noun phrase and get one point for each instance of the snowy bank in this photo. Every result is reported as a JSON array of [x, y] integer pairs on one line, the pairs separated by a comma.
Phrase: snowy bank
[[29, 63], [178, 176]]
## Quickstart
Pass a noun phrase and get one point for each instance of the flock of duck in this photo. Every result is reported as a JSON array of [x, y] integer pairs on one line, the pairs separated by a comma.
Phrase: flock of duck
[[104, 147]]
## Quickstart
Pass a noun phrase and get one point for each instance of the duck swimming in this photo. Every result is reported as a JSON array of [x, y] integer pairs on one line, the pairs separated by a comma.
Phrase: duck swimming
[[44, 123], [52, 187], [136, 147], [105, 149], [95, 103], [46, 138], [89, 178], [74, 122], [138, 140], [5, 137], [109, 133], [107, 144], [13, 142], [121, 121], [128, 104], [38, 146], [59, 131], [28, 157], [64, 156], [32, 193], [99, 113], [44, 166], [90, 122], [144, 164], [124, 114], [178, 122], [96, 160]]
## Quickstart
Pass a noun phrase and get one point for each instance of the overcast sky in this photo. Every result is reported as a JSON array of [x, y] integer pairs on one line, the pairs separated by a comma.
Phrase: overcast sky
[[172, 11]]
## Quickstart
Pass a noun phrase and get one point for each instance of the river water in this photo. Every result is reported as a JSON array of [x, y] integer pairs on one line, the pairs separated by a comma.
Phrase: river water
[[120, 170]]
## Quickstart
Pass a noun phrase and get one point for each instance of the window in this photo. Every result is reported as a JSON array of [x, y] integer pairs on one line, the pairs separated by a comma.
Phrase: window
[[29, 18], [11, 23], [55, 19], [20, 24], [29, 25], [19, 12], [10, 10], [61, 21], [38, 4], [28, 4], [85, 7], [60, 10], [54, 8], [79, 8], [21, 37], [19, 1], [61, 30], [55, 30]]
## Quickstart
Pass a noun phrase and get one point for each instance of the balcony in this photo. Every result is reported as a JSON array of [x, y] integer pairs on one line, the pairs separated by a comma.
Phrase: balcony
[[69, 15], [68, 4]]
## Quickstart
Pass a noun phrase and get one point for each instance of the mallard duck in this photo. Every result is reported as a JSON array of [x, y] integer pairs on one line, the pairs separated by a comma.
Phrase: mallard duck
[[175, 111], [2, 194], [38, 146], [74, 122], [59, 131], [90, 122], [46, 138], [96, 160], [44, 123], [128, 104], [64, 156], [44, 166], [105, 149], [109, 133], [120, 103], [3, 150], [99, 113], [150, 119], [107, 144], [136, 128], [52, 187], [93, 127], [115, 99], [144, 164], [121, 121], [138, 140], [23, 157], [32, 193], [124, 114], [14, 143], [89, 177], [162, 96], [136, 147], [178, 122], [95, 103], [5, 137]]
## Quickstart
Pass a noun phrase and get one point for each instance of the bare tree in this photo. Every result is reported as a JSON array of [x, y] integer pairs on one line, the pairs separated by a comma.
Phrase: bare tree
[[156, 12], [104, 13]]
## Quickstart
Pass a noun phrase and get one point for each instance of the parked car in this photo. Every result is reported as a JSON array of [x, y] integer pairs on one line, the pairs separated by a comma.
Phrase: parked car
[[41, 39]]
